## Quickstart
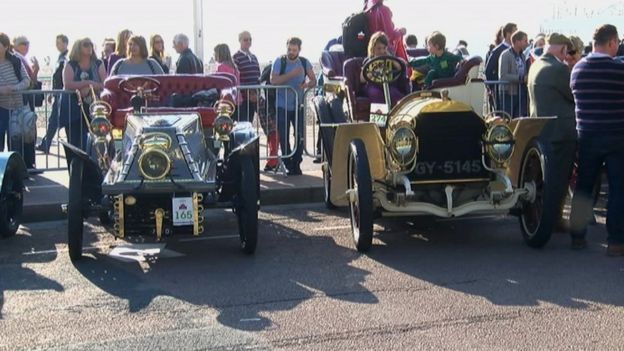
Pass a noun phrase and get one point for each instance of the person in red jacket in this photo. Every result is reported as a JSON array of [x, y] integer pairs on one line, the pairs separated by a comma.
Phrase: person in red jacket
[[380, 20]]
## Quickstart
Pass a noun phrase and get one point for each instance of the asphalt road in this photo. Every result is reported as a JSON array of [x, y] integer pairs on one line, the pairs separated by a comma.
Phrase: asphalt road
[[464, 284]]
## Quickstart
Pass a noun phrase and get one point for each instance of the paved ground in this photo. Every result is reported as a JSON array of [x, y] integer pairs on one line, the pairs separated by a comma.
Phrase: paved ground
[[464, 284]]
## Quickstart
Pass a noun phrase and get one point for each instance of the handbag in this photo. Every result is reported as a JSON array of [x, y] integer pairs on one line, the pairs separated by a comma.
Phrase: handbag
[[23, 125], [34, 100]]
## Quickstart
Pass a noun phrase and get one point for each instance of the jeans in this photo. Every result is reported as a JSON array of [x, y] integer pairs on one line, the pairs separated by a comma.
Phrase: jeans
[[594, 150], [286, 119], [4, 126], [53, 122], [246, 111]]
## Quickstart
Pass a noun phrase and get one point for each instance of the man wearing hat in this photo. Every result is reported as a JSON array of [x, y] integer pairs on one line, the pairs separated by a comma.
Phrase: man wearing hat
[[550, 95]]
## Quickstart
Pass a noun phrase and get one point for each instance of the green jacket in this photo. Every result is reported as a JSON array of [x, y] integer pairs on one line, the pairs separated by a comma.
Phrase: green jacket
[[439, 67], [550, 95]]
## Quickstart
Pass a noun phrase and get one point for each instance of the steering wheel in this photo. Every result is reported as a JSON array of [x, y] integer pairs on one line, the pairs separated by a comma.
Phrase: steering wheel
[[383, 69], [100, 107], [133, 85]]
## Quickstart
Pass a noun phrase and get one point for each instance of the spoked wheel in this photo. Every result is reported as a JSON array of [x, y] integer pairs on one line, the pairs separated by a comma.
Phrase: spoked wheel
[[247, 210], [360, 196], [537, 214], [75, 217], [11, 202]]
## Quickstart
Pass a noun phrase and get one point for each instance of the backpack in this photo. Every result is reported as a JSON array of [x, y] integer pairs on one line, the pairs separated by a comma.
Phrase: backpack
[[356, 34], [304, 63]]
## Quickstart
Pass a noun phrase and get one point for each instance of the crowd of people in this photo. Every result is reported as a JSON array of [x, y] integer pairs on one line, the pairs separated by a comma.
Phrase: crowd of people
[[548, 75]]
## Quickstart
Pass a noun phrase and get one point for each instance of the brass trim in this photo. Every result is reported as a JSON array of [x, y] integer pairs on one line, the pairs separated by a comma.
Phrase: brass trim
[[475, 180], [118, 206], [159, 216], [195, 215], [158, 151], [147, 141]]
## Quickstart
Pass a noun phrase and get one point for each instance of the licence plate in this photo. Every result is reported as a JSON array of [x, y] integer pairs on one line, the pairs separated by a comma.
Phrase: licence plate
[[379, 120], [182, 211]]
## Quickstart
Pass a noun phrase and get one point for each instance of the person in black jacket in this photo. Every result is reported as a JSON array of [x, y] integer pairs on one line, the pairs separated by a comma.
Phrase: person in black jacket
[[187, 63], [491, 66], [57, 84]]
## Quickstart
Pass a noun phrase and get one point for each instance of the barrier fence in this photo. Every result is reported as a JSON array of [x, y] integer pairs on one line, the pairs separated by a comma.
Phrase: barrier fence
[[512, 98], [283, 135]]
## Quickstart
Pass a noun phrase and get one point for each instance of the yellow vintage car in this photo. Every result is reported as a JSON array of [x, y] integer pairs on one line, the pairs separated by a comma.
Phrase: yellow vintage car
[[430, 156]]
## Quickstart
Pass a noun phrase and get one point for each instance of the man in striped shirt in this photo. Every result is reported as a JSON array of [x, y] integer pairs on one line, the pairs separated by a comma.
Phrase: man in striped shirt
[[598, 86], [249, 69]]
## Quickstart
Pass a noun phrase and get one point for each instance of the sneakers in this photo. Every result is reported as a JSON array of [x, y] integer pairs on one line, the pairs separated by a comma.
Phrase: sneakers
[[270, 168], [294, 171], [615, 250]]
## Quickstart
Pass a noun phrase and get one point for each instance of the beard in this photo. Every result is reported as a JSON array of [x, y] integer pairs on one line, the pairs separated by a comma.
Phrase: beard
[[292, 57]]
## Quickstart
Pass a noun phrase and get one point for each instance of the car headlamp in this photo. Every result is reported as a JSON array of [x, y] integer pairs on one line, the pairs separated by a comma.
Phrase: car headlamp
[[500, 143], [404, 146], [223, 125], [100, 126], [154, 164]]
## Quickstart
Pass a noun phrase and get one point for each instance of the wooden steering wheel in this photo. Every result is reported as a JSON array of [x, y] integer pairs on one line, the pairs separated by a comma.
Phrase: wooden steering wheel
[[134, 85], [382, 69]]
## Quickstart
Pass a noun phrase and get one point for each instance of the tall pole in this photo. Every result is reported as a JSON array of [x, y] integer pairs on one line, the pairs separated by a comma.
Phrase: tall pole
[[198, 28]]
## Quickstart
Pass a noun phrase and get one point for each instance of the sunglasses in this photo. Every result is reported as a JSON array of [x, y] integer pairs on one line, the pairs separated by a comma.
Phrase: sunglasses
[[87, 45], [246, 39]]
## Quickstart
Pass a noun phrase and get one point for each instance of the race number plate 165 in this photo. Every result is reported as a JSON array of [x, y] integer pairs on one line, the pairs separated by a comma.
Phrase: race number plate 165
[[182, 211]]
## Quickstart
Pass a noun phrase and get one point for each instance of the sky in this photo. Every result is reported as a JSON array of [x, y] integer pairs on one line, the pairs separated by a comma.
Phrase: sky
[[271, 22]]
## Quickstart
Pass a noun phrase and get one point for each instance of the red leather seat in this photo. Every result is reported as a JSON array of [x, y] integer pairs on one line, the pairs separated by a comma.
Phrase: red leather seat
[[169, 84], [417, 52]]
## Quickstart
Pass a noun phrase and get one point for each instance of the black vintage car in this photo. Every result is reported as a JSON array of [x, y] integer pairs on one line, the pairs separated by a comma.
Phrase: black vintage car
[[156, 171]]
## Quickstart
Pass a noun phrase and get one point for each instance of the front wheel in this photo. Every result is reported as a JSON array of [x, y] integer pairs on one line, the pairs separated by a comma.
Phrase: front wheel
[[247, 210], [11, 201], [75, 215], [360, 196], [537, 214]]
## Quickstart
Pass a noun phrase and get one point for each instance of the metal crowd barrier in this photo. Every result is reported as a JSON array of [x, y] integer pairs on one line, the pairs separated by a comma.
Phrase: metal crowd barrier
[[512, 98], [46, 152], [262, 101], [42, 152]]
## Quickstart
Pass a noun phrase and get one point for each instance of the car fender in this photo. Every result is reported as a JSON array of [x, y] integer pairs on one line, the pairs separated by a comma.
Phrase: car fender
[[243, 140], [370, 135], [524, 130], [11, 162], [92, 177]]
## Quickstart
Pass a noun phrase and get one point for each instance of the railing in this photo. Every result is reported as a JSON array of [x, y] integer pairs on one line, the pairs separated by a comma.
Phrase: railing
[[38, 140], [512, 98], [282, 137]]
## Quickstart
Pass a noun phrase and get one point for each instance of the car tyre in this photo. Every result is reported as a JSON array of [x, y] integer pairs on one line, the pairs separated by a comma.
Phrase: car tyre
[[247, 210], [537, 217], [75, 217], [11, 202], [361, 200]]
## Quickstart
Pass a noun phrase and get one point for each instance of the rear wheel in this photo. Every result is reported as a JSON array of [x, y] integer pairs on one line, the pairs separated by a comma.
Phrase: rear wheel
[[75, 218], [537, 214], [11, 202], [247, 210], [360, 196]]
